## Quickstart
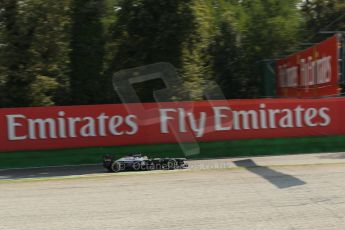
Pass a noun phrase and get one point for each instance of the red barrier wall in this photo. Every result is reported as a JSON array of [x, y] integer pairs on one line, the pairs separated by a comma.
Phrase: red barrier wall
[[112, 125]]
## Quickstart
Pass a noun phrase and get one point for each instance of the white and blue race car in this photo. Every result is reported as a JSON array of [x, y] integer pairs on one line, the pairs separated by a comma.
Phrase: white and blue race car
[[137, 162]]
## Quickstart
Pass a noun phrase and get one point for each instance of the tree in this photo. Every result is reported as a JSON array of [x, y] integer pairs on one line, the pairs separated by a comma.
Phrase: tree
[[34, 52], [49, 52], [15, 55], [87, 52], [65, 52], [322, 16], [147, 32], [196, 59], [227, 59], [271, 29]]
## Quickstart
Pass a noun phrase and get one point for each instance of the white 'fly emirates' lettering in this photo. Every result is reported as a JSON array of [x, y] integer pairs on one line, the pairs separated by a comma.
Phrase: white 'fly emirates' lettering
[[223, 119], [311, 72], [70, 127], [226, 119]]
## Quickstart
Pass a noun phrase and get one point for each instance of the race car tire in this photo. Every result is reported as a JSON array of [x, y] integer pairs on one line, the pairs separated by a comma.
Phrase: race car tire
[[172, 164], [116, 167], [136, 166]]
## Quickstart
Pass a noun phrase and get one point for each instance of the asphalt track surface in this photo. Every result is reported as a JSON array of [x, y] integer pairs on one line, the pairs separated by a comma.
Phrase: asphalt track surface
[[288, 192]]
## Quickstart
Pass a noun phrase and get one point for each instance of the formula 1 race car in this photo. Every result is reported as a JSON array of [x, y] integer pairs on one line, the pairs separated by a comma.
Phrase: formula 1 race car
[[138, 162]]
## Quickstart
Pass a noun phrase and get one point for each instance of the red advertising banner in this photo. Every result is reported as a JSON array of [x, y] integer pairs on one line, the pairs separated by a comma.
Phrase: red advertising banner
[[313, 72], [114, 125]]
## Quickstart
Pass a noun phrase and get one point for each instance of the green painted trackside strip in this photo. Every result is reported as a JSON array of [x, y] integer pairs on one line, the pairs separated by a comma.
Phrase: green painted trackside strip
[[208, 150]]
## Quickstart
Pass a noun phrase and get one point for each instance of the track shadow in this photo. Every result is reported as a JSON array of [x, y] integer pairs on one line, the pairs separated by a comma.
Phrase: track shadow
[[278, 179], [15, 174]]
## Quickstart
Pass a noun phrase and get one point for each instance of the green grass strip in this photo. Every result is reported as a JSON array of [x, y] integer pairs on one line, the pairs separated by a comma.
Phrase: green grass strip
[[208, 150]]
